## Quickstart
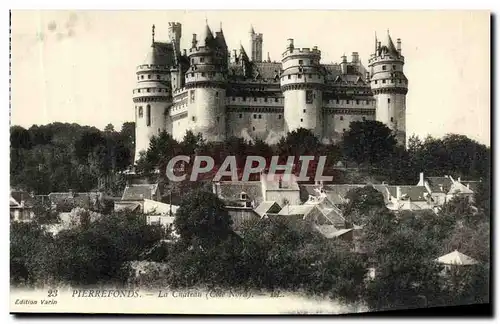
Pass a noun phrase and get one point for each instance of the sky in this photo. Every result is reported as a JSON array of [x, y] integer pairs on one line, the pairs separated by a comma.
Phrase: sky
[[79, 66]]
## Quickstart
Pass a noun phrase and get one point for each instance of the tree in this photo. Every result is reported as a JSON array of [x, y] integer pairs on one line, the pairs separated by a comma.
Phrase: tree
[[201, 216], [20, 138], [299, 142], [360, 201], [368, 142], [109, 128]]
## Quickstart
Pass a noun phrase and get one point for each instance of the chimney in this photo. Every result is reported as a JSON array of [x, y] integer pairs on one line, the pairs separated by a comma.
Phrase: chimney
[[290, 44], [354, 57], [398, 45], [398, 193], [263, 183], [194, 42], [343, 65], [421, 180]]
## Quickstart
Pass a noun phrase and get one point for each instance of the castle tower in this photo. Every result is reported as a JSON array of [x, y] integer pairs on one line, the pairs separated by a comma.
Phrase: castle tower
[[174, 35], [206, 83], [389, 86], [302, 83], [152, 97], [255, 46]]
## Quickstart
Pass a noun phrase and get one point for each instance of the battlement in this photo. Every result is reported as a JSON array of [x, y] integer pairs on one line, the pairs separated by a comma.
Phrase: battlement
[[201, 50], [302, 51], [153, 67], [387, 58], [174, 24]]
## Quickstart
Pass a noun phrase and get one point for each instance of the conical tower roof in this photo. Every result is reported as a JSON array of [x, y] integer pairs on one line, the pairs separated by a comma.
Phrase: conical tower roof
[[207, 37], [390, 45], [152, 57]]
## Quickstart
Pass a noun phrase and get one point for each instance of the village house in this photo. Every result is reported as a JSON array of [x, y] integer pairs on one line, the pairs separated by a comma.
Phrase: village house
[[21, 206]]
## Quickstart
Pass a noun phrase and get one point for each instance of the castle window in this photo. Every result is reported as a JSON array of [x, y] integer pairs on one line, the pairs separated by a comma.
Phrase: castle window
[[241, 115], [289, 77], [310, 76], [337, 101], [216, 94], [254, 116], [148, 115], [191, 93], [202, 74], [364, 118], [260, 116], [138, 77], [253, 128], [192, 74], [192, 61], [275, 99], [244, 98], [304, 111], [193, 118], [234, 99], [392, 119], [299, 76], [140, 112], [301, 120], [384, 67], [202, 59], [388, 100], [279, 116], [301, 62], [394, 67], [341, 117], [309, 96], [375, 81], [399, 81], [218, 119], [254, 98], [142, 77], [149, 76], [343, 129], [159, 131], [138, 90], [265, 99], [347, 102], [357, 102], [148, 90], [158, 77], [367, 102], [383, 81]]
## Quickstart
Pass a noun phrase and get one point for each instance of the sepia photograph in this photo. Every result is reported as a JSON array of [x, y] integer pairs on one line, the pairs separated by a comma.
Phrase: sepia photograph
[[250, 162]]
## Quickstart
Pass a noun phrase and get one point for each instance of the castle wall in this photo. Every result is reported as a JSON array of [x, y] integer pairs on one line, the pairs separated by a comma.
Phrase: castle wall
[[298, 113], [206, 113], [150, 121]]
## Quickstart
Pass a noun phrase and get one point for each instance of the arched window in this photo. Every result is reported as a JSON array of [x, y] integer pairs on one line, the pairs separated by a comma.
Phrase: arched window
[[140, 111], [148, 115]]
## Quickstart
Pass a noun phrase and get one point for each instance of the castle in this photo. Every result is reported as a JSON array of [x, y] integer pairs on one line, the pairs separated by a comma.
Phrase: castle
[[210, 90]]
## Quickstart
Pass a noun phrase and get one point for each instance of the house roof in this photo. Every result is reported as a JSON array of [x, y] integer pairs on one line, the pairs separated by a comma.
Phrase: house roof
[[131, 206], [295, 210], [459, 188], [456, 258], [280, 181], [19, 196], [414, 193], [80, 199], [439, 184], [336, 193], [265, 207], [139, 191], [473, 185], [228, 190]]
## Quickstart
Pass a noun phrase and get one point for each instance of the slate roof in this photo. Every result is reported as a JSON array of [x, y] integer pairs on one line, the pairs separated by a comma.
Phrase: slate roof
[[267, 206], [459, 188], [140, 191], [131, 206], [288, 182], [414, 193], [79, 199], [160, 53], [228, 190], [336, 193], [473, 185], [439, 184]]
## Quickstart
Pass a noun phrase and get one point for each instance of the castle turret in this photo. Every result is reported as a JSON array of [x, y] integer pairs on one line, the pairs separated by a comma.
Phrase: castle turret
[[389, 86], [302, 83], [152, 95], [175, 34], [256, 41], [206, 83]]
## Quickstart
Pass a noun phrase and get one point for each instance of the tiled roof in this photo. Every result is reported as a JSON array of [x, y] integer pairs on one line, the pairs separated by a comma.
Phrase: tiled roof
[[139, 191], [459, 188], [414, 193], [439, 184], [79, 199], [473, 185], [336, 193], [232, 190], [267, 206], [131, 206], [384, 190]]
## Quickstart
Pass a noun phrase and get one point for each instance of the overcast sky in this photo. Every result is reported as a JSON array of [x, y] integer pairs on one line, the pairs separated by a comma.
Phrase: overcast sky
[[72, 66]]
